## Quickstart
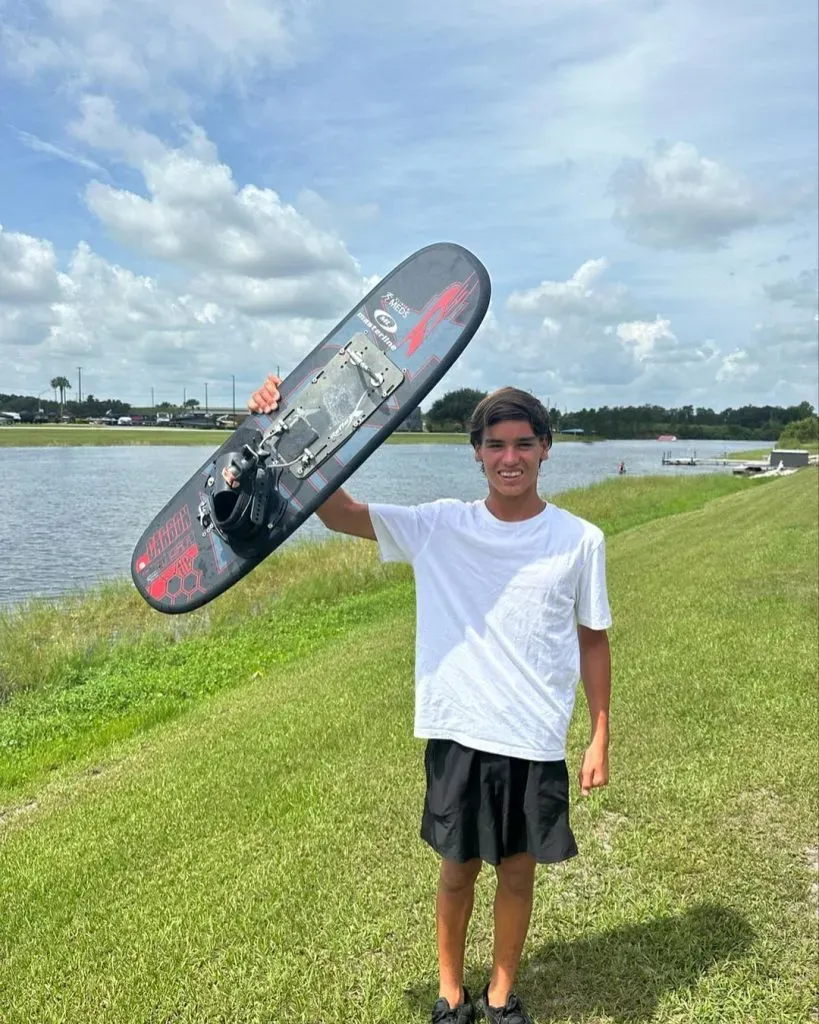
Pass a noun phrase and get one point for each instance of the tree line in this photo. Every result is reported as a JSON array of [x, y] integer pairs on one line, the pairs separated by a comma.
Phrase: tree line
[[453, 410], [32, 408]]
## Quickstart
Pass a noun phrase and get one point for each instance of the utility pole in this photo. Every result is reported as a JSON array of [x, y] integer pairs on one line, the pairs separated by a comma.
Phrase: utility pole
[[184, 396], [79, 388], [153, 401], [206, 396], [233, 378]]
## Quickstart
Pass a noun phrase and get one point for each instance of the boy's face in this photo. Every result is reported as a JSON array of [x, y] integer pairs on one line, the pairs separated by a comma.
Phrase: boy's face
[[511, 455]]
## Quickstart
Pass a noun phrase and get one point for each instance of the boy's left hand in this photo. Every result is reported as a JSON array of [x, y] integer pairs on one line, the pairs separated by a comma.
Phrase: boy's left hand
[[594, 769]]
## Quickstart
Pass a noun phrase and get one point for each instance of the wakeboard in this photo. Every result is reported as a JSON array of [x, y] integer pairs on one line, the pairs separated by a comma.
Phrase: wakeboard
[[336, 407]]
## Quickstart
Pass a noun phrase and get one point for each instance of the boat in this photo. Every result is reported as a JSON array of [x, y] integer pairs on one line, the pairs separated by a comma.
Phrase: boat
[[667, 437]]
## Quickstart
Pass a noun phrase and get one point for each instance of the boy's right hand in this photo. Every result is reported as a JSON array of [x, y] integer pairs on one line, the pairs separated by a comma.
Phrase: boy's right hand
[[266, 399]]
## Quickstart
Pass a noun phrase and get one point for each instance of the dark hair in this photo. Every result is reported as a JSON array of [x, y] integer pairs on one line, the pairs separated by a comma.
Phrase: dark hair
[[509, 404]]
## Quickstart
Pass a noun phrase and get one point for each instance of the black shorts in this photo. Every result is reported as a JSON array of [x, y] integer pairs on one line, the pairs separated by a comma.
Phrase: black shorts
[[492, 806]]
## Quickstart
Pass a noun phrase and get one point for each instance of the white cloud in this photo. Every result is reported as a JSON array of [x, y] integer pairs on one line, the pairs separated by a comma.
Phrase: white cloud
[[580, 296], [99, 126], [147, 45], [654, 341], [574, 339], [132, 330], [592, 338], [738, 365], [677, 199], [324, 294], [795, 343], [28, 270], [196, 215], [801, 291], [644, 336], [779, 362], [50, 149], [263, 283]]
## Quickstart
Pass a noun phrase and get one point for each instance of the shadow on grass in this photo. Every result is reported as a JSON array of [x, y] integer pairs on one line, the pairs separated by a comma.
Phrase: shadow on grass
[[620, 975]]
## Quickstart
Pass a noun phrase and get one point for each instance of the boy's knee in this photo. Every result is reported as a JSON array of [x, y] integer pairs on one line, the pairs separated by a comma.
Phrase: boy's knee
[[457, 877], [517, 873]]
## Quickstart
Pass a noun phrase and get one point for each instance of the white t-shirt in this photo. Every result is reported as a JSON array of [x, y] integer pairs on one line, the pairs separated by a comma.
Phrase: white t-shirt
[[497, 659]]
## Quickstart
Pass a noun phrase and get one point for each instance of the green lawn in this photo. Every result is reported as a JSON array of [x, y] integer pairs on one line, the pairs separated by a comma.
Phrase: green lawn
[[256, 859], [763, 453], [751, 455], [47, 435], [105, 663]]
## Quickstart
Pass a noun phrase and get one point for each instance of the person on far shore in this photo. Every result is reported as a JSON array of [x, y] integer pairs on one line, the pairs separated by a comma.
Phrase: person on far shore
[[512, 611]]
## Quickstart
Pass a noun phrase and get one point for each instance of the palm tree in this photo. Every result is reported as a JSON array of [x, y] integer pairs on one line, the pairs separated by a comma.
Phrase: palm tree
[[60, 384]]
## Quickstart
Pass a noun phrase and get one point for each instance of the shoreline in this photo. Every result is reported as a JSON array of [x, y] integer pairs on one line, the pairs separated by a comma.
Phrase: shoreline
[[70, 435]]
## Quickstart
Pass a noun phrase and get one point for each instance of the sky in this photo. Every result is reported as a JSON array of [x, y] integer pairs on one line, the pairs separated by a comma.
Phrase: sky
[[197, 191]]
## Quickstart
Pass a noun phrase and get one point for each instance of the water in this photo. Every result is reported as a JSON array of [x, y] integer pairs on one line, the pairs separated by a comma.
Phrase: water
[[71, 516]]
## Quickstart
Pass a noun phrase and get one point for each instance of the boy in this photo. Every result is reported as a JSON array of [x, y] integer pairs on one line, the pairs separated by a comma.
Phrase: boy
[[512, 611]]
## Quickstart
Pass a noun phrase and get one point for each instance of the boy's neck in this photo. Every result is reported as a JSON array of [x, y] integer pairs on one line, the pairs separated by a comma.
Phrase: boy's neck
[[517, 509]]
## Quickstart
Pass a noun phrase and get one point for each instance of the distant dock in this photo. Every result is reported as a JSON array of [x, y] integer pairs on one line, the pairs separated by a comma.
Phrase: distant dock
[[778, 463], [669, 459]]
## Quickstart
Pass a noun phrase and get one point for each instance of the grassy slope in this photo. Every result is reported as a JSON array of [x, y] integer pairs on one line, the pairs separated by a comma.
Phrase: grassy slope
[[258, 860], [106, 665]]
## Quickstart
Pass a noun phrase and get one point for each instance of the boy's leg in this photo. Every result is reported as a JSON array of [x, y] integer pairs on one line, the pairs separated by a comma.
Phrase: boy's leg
[[513, 909], [453, 908]]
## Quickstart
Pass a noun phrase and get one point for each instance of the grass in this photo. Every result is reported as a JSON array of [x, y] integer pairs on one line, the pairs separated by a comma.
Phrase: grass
[[89, 670], [763, 453], [257, 860], [752, 455], [71, 435]]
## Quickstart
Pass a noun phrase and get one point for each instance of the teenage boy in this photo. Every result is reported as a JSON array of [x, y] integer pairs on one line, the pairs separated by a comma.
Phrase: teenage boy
[[512, 611]]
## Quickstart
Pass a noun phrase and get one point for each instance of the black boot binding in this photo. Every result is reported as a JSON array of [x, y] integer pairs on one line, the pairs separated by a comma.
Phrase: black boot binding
[[243, 501]]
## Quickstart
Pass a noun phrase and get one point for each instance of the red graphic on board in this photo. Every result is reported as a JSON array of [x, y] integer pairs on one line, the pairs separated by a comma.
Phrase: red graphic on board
[[180, 580], [165, 536], [448, 306]]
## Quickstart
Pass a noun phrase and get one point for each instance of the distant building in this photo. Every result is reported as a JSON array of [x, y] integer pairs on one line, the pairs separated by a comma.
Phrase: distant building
[[791, 458]]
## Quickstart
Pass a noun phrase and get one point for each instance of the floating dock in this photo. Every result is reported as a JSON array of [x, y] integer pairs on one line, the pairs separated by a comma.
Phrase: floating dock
[[740, 467], [694, 460]]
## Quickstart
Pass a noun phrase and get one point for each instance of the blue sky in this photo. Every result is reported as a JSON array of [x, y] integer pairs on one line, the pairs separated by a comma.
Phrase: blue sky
[[200, 189]]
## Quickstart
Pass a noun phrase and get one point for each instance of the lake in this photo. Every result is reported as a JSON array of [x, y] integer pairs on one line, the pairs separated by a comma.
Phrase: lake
[[71, 516]]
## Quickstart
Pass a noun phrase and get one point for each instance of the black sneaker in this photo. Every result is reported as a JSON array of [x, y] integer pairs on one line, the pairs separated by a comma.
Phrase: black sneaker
[[463, 1013], [512, 1013]]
